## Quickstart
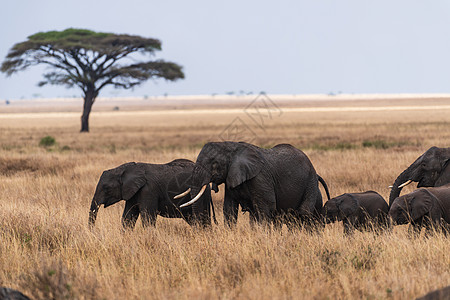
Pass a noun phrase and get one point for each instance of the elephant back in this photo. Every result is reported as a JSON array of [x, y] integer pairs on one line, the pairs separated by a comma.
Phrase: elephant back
[[181, 162], [373, 203]]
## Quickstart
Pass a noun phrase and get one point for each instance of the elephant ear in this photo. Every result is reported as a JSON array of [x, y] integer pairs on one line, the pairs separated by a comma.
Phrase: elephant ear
[[348, 205], [244, 166], [444, 177], [133, 179], [421, 203]]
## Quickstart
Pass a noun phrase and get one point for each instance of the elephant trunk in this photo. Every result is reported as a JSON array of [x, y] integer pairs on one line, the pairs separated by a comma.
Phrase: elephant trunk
[[93, 213], [324, 217], [402, 178], [328, 216], [200, 178], [197, 206]]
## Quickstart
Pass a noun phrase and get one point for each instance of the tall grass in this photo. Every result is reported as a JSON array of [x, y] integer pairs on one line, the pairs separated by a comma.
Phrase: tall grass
[[47, 249]]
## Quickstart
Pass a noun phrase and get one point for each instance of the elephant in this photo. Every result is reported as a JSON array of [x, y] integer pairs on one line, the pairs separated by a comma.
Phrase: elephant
[[429, 207], [148, 190], [10, 294], [273, 185], [431, 169], [439, 294], [362, 211]]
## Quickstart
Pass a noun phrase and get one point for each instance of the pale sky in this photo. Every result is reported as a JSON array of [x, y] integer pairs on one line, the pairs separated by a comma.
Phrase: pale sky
[[280, 47]]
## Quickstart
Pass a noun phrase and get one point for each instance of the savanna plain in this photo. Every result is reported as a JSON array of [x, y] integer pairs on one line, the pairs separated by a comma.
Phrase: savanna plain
[[47, 250]]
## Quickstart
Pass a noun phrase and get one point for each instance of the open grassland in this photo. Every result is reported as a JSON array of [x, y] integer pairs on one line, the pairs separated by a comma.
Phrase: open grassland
[[46, 247]]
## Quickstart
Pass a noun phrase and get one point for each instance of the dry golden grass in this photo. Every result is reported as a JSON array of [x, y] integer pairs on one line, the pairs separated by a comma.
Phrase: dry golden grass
[[47, 250]]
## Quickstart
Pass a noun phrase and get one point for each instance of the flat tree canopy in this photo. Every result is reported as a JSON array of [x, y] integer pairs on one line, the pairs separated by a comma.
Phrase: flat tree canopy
[[90, 60]]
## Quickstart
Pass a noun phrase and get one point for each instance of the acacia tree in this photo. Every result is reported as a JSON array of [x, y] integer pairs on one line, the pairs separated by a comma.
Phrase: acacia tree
[[90, 60]]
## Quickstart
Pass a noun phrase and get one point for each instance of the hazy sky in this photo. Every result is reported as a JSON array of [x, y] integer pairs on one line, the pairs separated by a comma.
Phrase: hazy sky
[[283, 47]]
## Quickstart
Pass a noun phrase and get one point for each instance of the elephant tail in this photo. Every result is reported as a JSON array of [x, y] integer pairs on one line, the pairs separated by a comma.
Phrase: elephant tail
[[214, 212], [324, 186]]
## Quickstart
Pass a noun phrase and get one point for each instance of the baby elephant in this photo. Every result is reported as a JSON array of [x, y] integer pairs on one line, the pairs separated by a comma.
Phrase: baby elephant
[[366, 210], [429, 207]]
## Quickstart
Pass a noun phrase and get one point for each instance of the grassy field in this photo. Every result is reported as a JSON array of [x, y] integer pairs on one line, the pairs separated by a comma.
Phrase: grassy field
[[46, 247]]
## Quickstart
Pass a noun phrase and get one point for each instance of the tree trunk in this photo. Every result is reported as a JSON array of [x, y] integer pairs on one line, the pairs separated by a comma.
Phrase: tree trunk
[[88, 102]]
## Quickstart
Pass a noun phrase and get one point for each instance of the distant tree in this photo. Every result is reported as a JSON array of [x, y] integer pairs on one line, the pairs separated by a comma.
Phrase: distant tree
[[90, 60]]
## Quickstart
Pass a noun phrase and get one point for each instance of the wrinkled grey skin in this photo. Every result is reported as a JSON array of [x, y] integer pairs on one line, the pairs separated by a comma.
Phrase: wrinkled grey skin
[[148, 190], [10, 294], [431, 169], [429, 207], [271, 184], [362, 211]]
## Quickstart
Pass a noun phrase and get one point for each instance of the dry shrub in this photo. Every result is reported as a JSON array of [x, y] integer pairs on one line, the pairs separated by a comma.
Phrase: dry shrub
[[365, 258], [51, 280], [37, 232], [330, 260], [38, 165], [234, 268]]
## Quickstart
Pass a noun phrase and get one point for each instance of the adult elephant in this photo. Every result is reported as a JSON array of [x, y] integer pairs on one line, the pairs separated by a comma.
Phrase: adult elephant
[[268, 183], [428, 207], [431, 169], [148, 190]]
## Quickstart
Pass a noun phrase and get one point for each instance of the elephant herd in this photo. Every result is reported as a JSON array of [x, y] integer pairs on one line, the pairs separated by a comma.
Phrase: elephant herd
[[275, 186]]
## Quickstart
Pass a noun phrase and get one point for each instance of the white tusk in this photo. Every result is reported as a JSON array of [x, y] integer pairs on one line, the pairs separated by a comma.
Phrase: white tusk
[[405, 184], [182, 194], [196, 197], [390, 187]]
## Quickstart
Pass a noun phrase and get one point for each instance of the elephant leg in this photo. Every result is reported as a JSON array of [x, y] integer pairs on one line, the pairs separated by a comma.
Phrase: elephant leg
[[295, 221], [415, 228], [348, 227], [430, 226], [441, 225], [384, 224], [278, 221], [148, 218], [263, 200], [363, 223], [252, 219], [130, 214], [148, 206], [433, 225], [230, 210], [264, 211], [362, 226], [309, 209]]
